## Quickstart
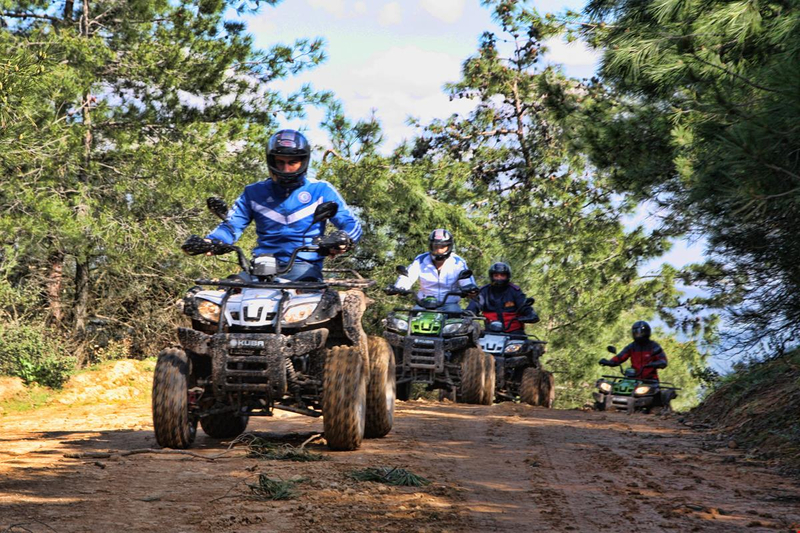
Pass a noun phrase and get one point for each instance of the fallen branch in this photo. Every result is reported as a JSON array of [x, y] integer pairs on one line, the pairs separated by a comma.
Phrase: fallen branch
[[125, 453]]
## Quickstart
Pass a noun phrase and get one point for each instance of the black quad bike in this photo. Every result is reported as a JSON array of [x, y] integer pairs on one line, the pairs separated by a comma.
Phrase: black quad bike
[[440, 349], [630, 393], [258, 343], [519, 371]]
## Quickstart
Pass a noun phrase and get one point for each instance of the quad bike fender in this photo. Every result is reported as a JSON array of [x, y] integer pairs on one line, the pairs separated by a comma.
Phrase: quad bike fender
[[194, 341], [354, 303]]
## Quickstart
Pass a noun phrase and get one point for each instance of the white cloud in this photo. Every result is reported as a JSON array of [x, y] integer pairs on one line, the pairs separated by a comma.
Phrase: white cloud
[[262, 24], [402, 82], [334, 7], [576, 53], [448, 11], [390, 14], [360, 8]]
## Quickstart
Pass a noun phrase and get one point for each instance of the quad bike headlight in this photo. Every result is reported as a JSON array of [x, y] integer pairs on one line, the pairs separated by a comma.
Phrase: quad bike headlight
[[208, 310], [513, 348], [460, 328], [605, 386], [642, 389], [299, 313], [397, 324]]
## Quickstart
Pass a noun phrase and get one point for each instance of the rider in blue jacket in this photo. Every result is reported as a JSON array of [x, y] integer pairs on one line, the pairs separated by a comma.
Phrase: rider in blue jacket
[[283, 207]]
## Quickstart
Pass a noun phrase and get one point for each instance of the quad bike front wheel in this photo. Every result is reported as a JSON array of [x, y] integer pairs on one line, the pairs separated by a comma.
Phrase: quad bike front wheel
[[381, 388], [537, 387], [473, 371], [489, 381], [344, 398], [174, 426]]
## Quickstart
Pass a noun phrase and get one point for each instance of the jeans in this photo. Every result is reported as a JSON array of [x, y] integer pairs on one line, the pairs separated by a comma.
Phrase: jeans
[[302, 271]]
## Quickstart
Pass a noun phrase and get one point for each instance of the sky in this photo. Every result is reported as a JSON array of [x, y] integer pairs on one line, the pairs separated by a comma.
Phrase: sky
[[394, 57]]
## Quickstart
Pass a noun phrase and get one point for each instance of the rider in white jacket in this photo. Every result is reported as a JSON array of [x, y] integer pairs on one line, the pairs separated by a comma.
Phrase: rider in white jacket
[[437, 271]]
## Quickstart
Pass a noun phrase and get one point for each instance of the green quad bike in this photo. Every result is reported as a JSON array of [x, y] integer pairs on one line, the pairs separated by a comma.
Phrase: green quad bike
[[440, 349], [518, 366], [630, 393], [259, 343]]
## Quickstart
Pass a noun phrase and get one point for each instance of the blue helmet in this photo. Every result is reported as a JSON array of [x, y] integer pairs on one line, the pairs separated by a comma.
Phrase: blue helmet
[[500, 268]]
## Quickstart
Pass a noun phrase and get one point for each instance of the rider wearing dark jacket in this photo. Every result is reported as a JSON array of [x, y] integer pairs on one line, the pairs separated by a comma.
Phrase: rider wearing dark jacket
[[503, 301], [646, 355]]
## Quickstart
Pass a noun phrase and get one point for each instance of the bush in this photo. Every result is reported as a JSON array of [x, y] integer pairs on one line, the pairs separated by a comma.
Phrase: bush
[[34, 354]]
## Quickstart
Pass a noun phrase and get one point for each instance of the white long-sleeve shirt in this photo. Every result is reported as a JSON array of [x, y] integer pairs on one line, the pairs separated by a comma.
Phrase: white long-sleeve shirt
[[433, 281]]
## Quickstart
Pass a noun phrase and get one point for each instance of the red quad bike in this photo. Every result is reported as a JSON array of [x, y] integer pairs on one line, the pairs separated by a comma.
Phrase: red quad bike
[[258, 343], [630, 393]]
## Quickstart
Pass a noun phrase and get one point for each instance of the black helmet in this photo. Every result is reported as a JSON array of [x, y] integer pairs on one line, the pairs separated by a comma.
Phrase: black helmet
[[640, 331], [440, 237], [500, 268], [289, 143]]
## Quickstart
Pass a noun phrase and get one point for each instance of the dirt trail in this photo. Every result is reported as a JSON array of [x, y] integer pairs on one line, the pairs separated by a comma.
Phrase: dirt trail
[[501, 468]]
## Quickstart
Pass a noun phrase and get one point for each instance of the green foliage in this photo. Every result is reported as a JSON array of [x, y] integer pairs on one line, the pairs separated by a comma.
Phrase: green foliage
[[391, 476], [112, 135], [274, 489], [259, 448], [34, 354], [710, 88]]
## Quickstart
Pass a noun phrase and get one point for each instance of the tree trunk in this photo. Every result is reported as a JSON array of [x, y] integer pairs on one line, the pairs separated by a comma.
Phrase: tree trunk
[[55, 282], [80, 307]]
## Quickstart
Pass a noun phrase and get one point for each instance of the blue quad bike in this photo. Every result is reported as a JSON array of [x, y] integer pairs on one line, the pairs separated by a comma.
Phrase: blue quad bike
[[630, 393], [258, 342], [518, 367]]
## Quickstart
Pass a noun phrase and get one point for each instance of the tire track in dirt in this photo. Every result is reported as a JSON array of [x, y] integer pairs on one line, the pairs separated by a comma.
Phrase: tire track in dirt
[[506, 467]]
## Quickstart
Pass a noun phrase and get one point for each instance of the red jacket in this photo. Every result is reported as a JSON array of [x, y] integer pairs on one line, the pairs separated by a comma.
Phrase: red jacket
[[640, 355]]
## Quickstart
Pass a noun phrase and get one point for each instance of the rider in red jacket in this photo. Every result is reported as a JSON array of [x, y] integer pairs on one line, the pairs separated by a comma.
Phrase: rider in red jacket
[[502, 301], [646, 355]]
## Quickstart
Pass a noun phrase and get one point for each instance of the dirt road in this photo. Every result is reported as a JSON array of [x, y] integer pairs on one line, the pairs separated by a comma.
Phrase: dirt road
[[501, 468]]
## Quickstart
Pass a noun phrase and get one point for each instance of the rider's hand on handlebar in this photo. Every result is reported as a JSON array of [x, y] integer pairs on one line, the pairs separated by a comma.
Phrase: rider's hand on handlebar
[[336, 243], [196, 245], [605, 362]]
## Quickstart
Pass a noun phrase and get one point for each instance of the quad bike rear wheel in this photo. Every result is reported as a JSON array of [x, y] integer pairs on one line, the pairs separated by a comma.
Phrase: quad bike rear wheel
[[490, 380], [473, 371], [224, 425], [175, 426], [344, 398], [381, 388]]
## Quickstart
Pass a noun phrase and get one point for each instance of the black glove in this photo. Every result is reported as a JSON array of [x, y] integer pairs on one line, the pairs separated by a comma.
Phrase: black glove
[[391, 290], [338, 240], [196, 245], [470, 290], [606, 362], [532, 318]]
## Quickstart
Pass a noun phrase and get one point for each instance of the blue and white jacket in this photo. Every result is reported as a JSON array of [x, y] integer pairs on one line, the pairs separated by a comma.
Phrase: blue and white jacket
[[282, 216], [435, 282]]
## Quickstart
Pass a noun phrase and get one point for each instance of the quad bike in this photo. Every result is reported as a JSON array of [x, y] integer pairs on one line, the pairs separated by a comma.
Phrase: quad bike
[[518, 367], [439, 348], [258, 343], [631, 393]]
